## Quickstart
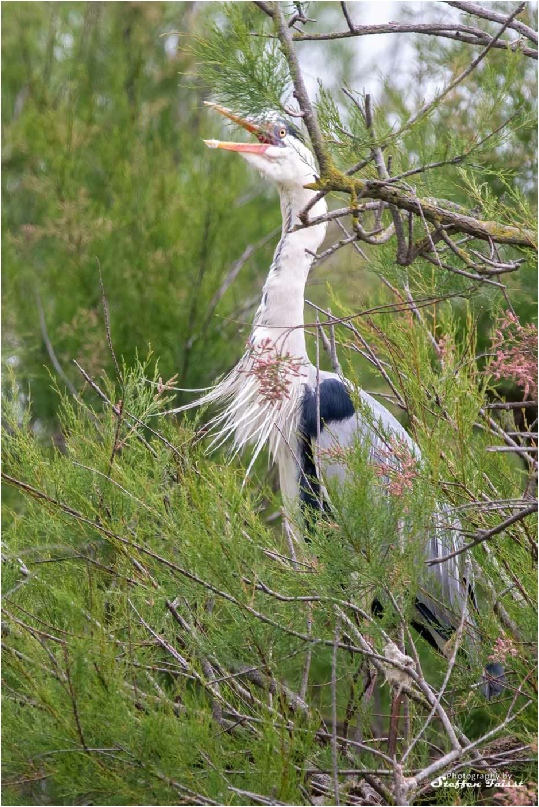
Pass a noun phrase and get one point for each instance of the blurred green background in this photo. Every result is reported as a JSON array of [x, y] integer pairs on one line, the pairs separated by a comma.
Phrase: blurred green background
[[104, 169]]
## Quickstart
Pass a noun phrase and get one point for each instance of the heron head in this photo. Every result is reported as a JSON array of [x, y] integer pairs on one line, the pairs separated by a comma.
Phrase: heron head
[[280, 153]]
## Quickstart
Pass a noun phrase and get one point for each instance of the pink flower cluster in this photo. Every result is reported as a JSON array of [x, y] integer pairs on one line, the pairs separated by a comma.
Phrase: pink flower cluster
[[336, 453], [397, 466], [503, 647], [517, 795], [442, 344], [515, 348], [272, 370]]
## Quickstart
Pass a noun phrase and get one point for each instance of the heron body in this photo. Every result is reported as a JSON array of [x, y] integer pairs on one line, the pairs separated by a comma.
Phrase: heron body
[[276, 397]]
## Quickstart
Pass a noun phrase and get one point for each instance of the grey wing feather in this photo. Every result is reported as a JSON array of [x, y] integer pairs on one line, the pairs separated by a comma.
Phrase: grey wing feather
[[444, 589]]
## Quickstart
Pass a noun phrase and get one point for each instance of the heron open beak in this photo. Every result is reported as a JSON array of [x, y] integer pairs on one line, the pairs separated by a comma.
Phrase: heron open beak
[[254, 148]]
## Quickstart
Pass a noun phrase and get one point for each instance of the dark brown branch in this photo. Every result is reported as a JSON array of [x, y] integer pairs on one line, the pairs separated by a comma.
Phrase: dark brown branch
[[347, 17], [300, 91], [460, 33], [265, 7], [489, 14]]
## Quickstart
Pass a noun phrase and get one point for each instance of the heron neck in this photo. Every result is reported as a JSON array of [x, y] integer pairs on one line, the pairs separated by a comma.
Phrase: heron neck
[[280, 314]]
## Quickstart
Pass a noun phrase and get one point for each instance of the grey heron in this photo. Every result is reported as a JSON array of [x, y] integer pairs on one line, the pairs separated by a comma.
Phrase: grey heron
[[276, 397]]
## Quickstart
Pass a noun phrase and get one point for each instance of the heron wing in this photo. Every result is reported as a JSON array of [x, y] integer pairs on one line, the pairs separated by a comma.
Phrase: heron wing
[[330, 424]]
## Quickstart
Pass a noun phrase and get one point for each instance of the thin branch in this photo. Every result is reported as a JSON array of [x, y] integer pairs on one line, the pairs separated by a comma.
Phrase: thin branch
[[459, 158], [484, 535], [334, 750], [465, 73], [234, 271], [490, 14], [512, 405], [73, 698], [330, 347], [383, 173], [356, 246], [458, 32], [373, 358], [338, 245], [50, 350], [331, 215], [318, 418], [347, 16], [300, 91], [106, 316], [255, 798], [516, 447], [308, 656]]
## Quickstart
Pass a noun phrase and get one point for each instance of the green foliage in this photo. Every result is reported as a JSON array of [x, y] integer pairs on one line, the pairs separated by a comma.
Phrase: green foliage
[[141, 586], [106, 171], [156, 631], [241, 63]]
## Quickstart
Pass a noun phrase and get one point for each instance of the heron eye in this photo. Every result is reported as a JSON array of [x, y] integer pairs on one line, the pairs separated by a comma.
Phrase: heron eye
[[282, 132]]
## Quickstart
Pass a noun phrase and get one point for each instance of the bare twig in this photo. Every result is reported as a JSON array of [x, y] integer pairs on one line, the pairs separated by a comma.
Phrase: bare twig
[[383, 173], [106, 316], [330, 346], [484, 535], [426, 108], [491, 14], [458, 32], [347, 17], [48, 344], [334, 749], [300, 91], [308, 656], [234, 272]]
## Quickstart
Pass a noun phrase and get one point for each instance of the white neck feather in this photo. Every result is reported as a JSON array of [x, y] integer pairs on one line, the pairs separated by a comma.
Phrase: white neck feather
[[280, 314], [260, 398]]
